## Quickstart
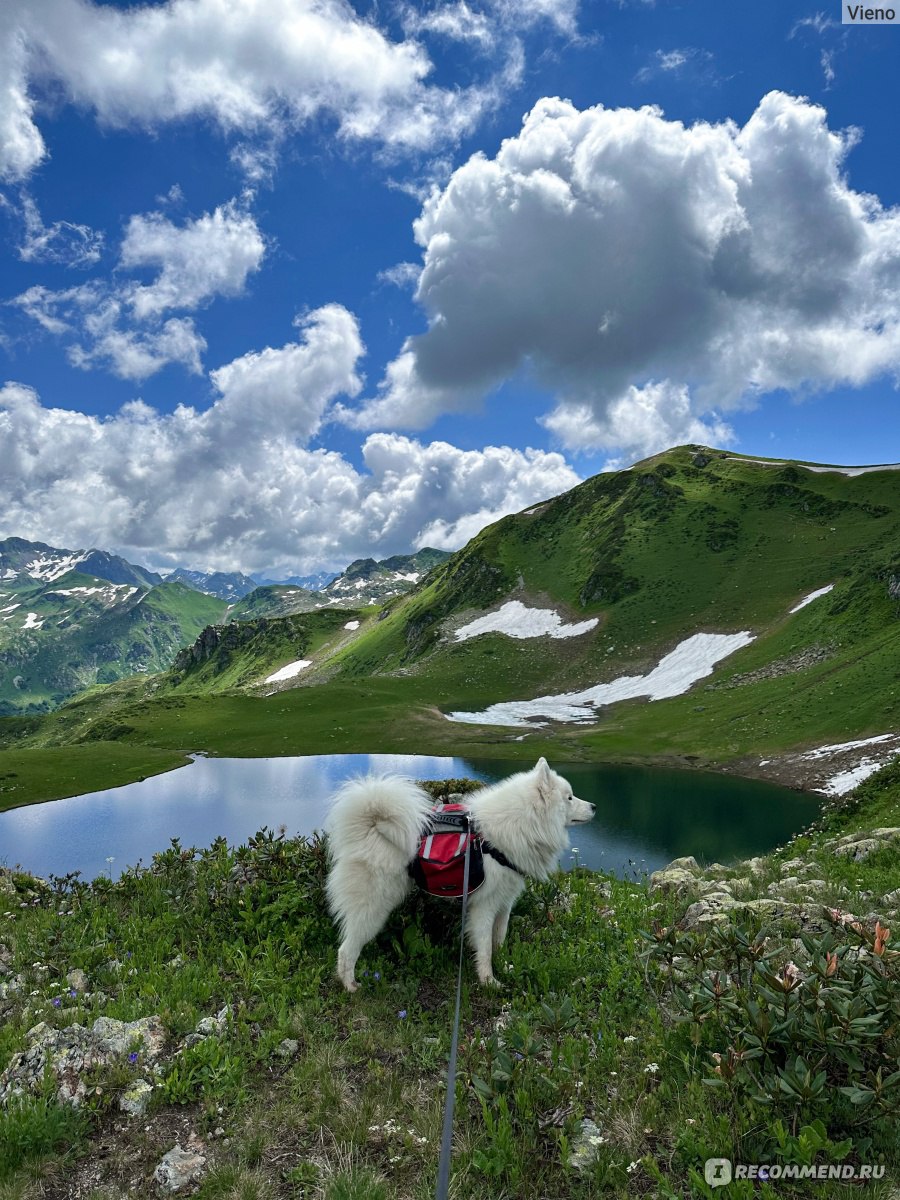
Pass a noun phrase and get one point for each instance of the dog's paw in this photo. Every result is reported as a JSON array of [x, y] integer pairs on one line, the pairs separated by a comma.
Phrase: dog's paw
[[489, 981]]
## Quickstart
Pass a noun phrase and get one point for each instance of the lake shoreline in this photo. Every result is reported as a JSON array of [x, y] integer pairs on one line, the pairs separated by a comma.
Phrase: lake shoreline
[[780, 771]]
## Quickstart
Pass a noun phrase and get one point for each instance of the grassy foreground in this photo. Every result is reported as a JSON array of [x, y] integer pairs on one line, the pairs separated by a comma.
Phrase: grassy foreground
[[677, 1044]]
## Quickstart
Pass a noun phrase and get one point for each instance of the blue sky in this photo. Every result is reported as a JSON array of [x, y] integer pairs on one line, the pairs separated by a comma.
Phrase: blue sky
[[286, 283]]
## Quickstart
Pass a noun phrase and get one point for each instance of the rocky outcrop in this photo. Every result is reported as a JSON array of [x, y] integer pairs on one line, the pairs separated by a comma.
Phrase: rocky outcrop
[[69, 1054], [860, 845]]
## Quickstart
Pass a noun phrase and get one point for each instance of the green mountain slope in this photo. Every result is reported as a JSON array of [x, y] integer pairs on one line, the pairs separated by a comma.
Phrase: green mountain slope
[[693, 541], [690, 540], [77, 631], [273, 600], [245, 653]]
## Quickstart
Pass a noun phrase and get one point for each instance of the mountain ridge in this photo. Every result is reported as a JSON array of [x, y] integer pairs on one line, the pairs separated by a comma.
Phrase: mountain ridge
[[693, 541]]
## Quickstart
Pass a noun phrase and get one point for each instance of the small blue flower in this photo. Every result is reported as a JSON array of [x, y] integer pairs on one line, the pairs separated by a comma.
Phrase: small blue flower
[[132, 1057], [402, 1014], [365, 973], [72, 993], [377, 974], [56, 1002]]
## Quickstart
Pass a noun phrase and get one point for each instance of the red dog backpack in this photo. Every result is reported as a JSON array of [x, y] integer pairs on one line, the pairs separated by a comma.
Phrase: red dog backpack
[[439, 865]]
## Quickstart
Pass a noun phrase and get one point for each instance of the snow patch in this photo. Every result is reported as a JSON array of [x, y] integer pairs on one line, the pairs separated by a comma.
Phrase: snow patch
[[32, 622], [352, 625], [812, 596], [841, 747], [289, 671], [516, 620], [691, 660], [49, 569], [9, 608], [846, 781], [818, 468], [852, 774]]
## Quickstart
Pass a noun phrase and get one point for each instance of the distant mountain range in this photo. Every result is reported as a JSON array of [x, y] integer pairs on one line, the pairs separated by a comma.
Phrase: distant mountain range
[[70, 619]]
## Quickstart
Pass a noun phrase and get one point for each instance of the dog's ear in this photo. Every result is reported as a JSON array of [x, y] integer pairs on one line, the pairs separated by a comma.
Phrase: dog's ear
[[544, 777]]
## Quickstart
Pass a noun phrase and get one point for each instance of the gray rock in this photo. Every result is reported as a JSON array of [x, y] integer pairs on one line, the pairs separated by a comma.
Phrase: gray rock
[[210, 1026], [287, 1048], [179, 1168], [714, 885], [892, 898], [586, 1146], [7, 887], [792, 864], [72, 1053], [859, 846], [757, 866], [673, 879], [714, 907], [134, 1102], [687, 863], [77, 980]]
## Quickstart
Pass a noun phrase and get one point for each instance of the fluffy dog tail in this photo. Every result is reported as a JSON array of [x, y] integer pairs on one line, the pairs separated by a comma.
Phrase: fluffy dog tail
[[377, 819]]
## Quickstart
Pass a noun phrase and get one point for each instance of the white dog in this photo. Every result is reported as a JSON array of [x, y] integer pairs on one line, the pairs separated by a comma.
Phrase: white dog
[[377, 822]]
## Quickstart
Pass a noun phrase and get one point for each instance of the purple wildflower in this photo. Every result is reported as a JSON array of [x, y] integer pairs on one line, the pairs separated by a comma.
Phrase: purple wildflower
[[402, 1014]]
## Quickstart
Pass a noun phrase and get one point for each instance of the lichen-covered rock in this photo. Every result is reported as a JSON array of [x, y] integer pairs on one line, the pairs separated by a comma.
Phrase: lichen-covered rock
[[713, 907], [673, 879], [859, 846], [72, 1053], [135, 1100], [179, 1168], [687, 863], [77, 980], [586, 1146]]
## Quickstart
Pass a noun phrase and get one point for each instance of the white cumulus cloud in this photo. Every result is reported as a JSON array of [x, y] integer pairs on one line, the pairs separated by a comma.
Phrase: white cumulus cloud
[[121, 325], [252, 66], [650, 274], [206, 257], [235, 487]]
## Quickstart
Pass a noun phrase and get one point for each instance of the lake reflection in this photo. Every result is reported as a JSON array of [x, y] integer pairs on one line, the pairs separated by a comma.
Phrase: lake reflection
[[644, 817]]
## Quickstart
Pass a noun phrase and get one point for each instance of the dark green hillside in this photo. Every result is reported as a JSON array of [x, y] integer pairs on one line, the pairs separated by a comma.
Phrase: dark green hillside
[[246, 652], [87, 631], [690, 540], [273, 600]]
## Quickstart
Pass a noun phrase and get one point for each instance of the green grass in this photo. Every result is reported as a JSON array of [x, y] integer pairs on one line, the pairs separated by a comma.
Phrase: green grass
[[585, 1025], [27, 777]]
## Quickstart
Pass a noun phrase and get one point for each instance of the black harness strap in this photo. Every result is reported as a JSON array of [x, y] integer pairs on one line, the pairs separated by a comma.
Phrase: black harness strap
[[501, 858]]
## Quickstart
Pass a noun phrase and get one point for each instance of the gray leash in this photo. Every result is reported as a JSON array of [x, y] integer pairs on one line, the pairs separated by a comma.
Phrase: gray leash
[[443, 1181]]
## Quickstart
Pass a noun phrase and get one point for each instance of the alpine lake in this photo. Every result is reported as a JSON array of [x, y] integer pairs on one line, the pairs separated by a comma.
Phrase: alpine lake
[[645, 816]]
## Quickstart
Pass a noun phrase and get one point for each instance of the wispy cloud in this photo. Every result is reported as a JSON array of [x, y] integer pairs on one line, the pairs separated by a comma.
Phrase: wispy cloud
[[677, 61]]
